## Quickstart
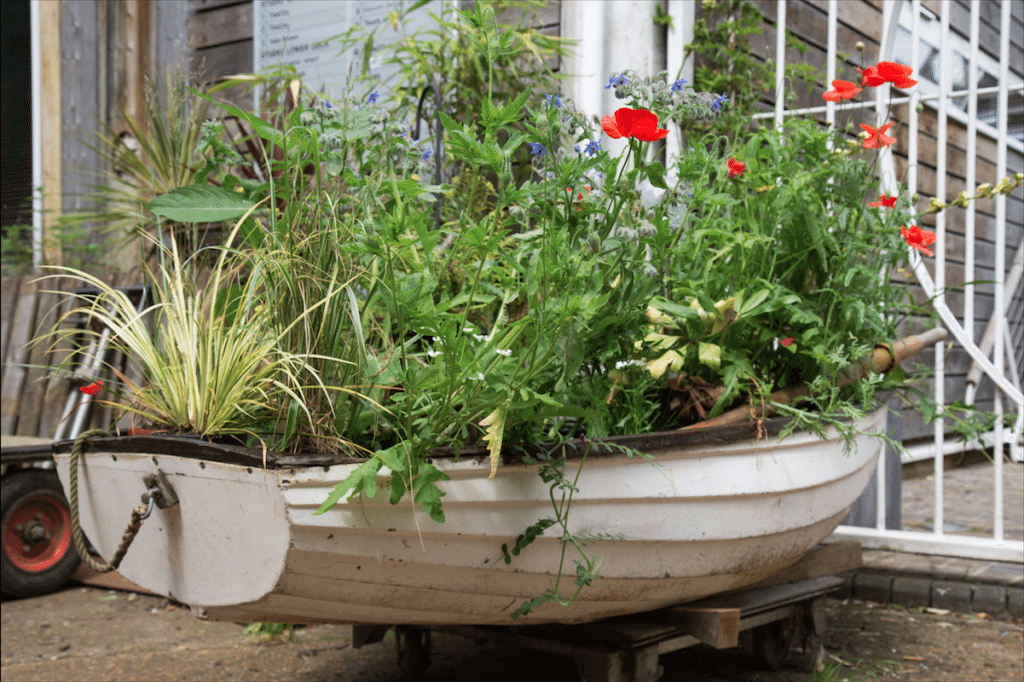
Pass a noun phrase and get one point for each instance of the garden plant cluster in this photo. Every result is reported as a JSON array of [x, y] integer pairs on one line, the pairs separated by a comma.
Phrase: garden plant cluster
[[539, 289]]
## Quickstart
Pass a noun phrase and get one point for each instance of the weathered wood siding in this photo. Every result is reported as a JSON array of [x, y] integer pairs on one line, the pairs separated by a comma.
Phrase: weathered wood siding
[[221, 37], [33, 394]]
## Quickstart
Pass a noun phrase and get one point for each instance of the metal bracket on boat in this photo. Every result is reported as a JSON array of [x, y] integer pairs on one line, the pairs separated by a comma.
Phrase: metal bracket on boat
[[159, 490]]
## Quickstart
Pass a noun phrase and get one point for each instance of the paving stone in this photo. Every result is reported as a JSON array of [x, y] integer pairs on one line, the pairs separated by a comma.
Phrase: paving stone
[[989, 599], [913, 591], [1015, 601], [952, 596], [846, 590], [872, 587]]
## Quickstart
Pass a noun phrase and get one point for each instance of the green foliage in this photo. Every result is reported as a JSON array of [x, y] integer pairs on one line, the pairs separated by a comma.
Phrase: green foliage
[[154, 156], [16, 247], [724, 65], [565, 293], [262, 633]]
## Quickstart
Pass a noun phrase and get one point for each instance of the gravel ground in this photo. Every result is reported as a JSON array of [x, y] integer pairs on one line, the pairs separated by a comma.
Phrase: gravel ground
[[86, 634]]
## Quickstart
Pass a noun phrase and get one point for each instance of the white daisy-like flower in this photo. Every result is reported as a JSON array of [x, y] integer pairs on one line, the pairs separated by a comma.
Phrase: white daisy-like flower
[[479, 376], [482, 337], [433, 353], [507, 352]]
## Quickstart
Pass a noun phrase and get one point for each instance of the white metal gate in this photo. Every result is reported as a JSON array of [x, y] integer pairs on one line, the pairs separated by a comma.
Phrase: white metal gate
[[1003, 369], [613, 36]]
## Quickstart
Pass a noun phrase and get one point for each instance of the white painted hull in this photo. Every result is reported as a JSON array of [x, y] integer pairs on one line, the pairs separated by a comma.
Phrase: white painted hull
[[243, 545]]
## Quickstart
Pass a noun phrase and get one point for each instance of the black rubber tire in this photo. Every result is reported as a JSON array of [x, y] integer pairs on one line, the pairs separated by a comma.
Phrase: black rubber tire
[[413, 647], [772, 641], [28, 493]]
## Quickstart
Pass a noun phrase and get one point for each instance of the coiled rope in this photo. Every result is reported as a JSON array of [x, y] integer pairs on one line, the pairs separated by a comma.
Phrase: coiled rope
[[138, 513]]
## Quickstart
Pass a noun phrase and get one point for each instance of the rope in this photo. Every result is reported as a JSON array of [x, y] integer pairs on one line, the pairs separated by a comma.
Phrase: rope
[[130, 532]]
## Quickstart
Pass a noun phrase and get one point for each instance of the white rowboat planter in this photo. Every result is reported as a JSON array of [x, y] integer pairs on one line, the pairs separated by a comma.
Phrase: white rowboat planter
[[718, 510]]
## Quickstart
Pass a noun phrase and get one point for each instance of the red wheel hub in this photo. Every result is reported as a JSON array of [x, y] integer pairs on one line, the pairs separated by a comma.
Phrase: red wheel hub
[[38, 533]]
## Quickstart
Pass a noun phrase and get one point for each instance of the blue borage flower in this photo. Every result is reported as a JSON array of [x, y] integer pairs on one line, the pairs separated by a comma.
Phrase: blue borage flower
[[616, 80], [678, 85], [592, 147], [716, 106], [374, 96], [537, 149], [426, 153], [554, 100]]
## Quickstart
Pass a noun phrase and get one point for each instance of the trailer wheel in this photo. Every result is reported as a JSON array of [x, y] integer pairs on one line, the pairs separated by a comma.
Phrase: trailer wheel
[[38, 555], [413, 645], [772, 642]]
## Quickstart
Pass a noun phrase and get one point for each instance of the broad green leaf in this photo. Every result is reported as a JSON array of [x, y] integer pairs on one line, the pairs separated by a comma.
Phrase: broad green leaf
[[670, 360], [200, 204], [710, 354]]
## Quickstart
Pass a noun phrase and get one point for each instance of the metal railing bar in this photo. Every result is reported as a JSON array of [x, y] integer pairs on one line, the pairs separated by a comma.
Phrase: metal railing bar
[[972, 170], [1000, 268], [939, 381], [956, 94], [780, 62], [926, 543]]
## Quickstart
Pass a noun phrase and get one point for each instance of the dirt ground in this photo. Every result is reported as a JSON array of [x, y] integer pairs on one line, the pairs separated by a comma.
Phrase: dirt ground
[[86, 634]]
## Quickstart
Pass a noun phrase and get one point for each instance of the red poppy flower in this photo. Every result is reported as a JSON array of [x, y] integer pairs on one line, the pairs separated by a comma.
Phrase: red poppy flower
[[580, 195], [841, 90], [884, 202], [787, 342], [919, 239], [877, 137], [736, 167], [870, 77], [92, 389], [888, 72], [640, 124], [897, 74]]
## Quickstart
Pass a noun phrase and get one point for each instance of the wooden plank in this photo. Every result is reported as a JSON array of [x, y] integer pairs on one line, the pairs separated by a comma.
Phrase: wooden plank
[[31, 403], [717, 627], [8, 295], [547, 15], [59, 384], [752, 601], [222, 25], [623, 632], [827, 559], [51, 49], [14, 378], [220, 62], [204, 5]]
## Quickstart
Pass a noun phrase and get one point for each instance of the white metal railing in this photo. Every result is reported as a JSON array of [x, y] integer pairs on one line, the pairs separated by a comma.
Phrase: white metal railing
[[609, 41], [1007, 385]]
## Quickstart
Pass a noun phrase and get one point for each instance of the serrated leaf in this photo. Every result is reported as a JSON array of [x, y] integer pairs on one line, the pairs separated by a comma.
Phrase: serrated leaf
[[200, 204], [363, 477], [495, 423], [428, 495]]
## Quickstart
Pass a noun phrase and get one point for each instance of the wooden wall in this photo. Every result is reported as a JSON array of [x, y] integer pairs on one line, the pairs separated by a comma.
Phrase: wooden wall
[[221, 37], [861, 20]]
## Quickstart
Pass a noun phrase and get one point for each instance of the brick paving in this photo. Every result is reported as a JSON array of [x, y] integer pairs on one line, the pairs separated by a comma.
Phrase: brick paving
[[961, 585], [968, 501]]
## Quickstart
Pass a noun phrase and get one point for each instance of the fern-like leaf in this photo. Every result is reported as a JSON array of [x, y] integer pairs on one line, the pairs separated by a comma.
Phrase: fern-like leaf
[[495, 423]]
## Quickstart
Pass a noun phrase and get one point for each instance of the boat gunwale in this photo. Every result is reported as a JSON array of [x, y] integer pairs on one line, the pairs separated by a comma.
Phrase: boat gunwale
[[194, 447]]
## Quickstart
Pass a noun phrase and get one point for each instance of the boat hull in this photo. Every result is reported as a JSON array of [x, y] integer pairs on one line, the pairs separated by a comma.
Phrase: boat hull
[[243, 544]]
